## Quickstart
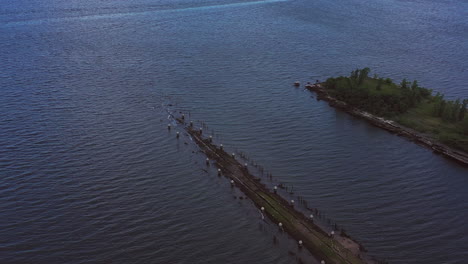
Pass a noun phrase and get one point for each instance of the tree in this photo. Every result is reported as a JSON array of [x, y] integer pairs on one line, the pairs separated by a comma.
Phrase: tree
[[464, 126], [462, 113], [456, 110], [425, 92], [415, 93], [379, 84], [404, 84], [441, 111], [363, 74], [438, 102], [354, 74], [448, 110], [414, 86]]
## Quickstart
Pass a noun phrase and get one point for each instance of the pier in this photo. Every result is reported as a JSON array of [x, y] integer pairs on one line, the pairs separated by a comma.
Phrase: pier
[[329, 248]]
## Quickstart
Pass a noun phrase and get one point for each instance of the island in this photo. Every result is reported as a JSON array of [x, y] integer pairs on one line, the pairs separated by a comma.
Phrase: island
[[403, 108]]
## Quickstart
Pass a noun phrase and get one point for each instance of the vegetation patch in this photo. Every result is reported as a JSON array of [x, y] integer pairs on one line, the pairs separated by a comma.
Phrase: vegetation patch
[[406, 103]]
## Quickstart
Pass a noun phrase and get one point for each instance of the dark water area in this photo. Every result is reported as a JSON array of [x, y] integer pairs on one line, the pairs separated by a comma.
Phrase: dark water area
[[89, 172]]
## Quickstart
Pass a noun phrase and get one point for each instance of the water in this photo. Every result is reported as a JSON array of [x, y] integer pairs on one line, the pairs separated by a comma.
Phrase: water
[[89, 172]]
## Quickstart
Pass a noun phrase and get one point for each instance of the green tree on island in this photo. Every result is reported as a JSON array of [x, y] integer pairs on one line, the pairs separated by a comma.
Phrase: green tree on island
[[406, 103]]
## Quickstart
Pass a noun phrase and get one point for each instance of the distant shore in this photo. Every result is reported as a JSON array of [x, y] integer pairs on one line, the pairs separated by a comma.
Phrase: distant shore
[[391, 126]]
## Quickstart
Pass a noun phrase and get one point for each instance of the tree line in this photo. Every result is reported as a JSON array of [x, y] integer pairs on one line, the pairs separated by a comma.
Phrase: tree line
[[451, 111], [376, 95], [385, 98]]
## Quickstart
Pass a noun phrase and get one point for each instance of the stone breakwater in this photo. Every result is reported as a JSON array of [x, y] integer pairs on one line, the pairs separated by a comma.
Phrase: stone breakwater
[[329, 248], [391, 126]]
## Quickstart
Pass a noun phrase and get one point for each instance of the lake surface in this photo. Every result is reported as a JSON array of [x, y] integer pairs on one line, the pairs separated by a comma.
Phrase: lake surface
[[89, 172]]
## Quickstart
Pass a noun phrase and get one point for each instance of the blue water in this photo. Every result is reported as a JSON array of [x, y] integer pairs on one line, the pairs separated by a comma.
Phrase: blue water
[[90, 174]]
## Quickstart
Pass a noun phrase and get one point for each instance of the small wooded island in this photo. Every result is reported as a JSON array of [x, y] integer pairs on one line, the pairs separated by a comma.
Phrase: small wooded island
[[405, 108]]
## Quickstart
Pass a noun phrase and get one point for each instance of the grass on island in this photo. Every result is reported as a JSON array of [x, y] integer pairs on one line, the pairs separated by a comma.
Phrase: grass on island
[[406, 103]]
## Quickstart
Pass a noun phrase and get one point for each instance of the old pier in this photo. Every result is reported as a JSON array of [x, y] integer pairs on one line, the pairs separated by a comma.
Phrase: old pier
[[326, 247]]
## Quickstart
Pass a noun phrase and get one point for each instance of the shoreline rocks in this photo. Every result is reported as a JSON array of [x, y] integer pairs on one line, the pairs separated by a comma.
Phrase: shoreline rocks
[[391, 126]]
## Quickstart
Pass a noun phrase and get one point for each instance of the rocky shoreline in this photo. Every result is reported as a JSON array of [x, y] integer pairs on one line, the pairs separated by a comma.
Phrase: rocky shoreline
[[391, 126]]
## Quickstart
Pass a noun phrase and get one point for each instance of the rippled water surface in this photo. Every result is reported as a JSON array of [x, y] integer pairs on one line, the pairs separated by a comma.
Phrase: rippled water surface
[[90, 174]]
